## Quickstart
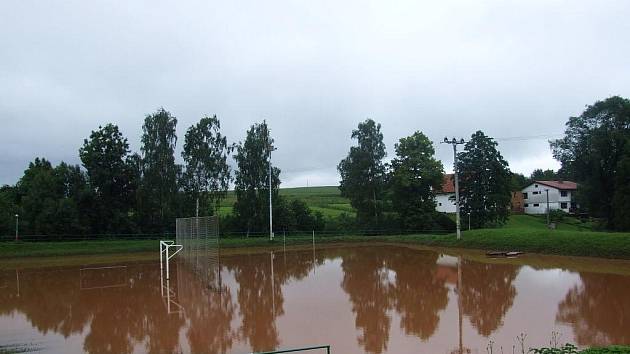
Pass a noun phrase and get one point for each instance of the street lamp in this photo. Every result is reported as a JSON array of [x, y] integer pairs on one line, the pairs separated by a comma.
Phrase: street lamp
[[17, 223]]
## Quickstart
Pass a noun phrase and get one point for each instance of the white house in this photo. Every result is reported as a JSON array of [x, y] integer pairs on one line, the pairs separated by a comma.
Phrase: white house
[[560, 196], [445, 197]]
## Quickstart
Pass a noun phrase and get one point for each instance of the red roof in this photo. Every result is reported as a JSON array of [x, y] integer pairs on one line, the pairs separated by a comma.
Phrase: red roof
[[448, 184], [562, 185]]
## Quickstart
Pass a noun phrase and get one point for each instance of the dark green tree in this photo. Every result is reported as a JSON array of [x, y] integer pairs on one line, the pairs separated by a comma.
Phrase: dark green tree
[[158, 192], [546, 175], [302, 217], [519, 181], [363, 173], [51, 199], [621, 199], [415, 176], [485, 181], [8, 209], [105, 157], [592, 153], [207, 175], [252, 179]]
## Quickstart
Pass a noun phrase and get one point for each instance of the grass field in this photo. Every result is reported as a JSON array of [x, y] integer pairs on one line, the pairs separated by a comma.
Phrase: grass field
[[523, 233], [327, 200]]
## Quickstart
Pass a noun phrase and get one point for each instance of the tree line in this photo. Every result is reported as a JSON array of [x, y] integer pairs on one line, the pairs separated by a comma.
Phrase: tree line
[[117, 191], [402, 193]]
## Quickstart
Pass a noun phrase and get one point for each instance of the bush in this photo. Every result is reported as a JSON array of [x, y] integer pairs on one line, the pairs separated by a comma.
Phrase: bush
[[557, 215]]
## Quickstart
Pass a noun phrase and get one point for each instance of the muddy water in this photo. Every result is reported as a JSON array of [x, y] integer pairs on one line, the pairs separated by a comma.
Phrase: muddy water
[[376, 299]]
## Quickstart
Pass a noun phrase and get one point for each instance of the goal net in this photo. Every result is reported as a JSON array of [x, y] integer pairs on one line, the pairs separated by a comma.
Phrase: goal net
[[200, 254]]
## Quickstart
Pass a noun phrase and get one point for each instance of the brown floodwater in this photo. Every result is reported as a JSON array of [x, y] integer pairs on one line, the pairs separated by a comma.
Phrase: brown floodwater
[[358, 299]]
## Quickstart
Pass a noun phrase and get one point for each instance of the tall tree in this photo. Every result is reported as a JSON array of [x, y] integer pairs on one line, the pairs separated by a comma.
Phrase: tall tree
[[252, 178], [485, 181], [414, 178], [543, 175], [592, 153], [207, 175], [363, 173], [105, 157], [159, 171]]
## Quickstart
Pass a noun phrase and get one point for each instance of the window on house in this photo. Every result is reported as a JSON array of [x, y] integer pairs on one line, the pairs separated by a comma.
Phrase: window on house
[[563, 193], [440, 204], [535, 185], [536, 192], [525, 195], [526, 205], [563, 205], [536, 205]]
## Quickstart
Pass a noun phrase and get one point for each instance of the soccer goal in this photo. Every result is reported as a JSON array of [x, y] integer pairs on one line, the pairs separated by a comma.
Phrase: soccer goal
[[199, 237]]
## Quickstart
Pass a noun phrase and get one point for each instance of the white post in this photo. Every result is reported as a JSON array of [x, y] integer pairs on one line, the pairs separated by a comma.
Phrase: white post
[[455, 142], [17, 223], [459, 233], [270, 205], [548, 221], [161, 262], [313, 238], [167, 268]]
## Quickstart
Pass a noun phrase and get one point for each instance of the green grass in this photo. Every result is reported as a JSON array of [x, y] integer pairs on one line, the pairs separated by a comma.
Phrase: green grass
[[531, 240], [524, 233], [326, 199]]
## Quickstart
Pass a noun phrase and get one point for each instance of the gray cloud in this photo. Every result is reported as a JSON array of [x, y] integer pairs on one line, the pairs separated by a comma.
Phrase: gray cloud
[[312, 69]]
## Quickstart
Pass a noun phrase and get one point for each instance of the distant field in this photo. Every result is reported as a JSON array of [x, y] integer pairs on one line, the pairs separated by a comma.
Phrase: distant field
[[327, 200]]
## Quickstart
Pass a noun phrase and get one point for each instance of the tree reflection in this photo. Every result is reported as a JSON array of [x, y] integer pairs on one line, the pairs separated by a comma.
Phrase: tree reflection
[[400, 279], [487, 294], [366, 281], [260, 295], [210, 312], [418, 293], [598, 309], [116, 318]]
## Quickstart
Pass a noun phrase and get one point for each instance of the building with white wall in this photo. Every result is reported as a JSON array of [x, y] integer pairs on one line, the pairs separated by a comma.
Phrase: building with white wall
[[561, 196], [445, 197]]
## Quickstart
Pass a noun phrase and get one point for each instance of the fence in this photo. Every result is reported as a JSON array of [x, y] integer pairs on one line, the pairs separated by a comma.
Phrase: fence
[[223, 234]]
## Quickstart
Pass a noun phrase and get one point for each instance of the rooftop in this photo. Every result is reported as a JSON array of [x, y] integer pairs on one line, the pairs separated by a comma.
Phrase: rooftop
[[562, 185], [448, 184]]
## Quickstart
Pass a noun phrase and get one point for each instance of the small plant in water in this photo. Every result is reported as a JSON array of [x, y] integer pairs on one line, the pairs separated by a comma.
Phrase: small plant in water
[[521, 340], [489, 347], [555, 339], [565, 349]]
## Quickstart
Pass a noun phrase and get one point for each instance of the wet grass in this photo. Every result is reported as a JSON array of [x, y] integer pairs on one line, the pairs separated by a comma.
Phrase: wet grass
[[530, 240]]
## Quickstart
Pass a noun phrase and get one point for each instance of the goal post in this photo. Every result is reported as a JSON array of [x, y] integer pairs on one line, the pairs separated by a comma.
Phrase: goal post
[[199, 237]]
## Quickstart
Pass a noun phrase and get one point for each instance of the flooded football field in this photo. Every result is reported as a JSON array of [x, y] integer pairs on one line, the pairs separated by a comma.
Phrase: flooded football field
[[358, 299]]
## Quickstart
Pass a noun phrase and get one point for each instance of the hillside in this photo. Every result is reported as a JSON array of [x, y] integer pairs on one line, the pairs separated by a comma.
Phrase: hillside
[[326, 199]]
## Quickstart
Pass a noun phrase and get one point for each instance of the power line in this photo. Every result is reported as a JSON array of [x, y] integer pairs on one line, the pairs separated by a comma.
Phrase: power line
[[531, 137]]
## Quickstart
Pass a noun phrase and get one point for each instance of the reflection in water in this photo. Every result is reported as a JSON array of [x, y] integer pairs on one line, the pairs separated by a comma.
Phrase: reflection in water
[[487, 294], [384, 299], [598, 309], [367, 283]]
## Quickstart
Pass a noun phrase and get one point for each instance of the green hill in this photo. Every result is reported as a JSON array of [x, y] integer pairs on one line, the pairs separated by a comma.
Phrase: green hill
[[326, 199]]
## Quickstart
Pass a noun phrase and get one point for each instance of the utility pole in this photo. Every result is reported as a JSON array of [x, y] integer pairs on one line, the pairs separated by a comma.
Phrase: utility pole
[[456, 142], [17, 225], [548, 221], [270, 205]]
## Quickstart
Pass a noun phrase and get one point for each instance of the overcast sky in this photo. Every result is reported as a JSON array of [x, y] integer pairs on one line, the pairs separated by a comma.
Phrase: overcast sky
[[312, 69]]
